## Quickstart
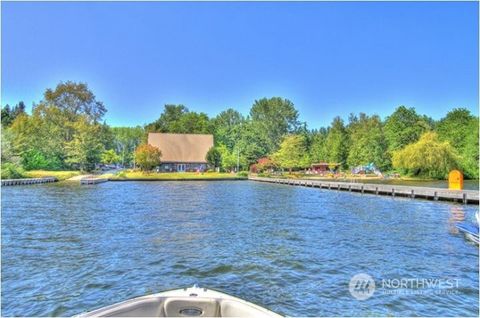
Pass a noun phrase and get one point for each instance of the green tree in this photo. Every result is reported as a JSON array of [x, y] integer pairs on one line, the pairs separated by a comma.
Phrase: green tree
[[404, 127], [251, 145], [273, 118], [169, 119], [75, 99], [9, 114], [455, 127], [428, 157], [34, 159], [229, 158], [336, 143], [227, 128], [147, 157], [22, 130], [40, 138], [46, 139], [178, 119], [86, 147], [8, 152], [6, 116], [126, 140], [460, 128], [470, 155], [292, 153], [214, 157], [318, 151], [110, 157], [367, 142]]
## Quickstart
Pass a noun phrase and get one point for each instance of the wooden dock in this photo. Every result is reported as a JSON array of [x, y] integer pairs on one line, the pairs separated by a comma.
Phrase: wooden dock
[[464, 196], [92, 180], [11, 182]]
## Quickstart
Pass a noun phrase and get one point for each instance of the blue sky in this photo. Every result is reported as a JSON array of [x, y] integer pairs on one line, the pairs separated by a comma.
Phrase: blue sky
[[328, 58]]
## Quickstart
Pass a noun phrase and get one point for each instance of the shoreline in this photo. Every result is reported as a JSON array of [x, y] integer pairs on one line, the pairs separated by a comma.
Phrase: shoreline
[[179, 179]]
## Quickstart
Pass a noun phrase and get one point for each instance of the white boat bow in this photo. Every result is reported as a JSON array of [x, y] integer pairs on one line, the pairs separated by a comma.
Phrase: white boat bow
[[187, 302]]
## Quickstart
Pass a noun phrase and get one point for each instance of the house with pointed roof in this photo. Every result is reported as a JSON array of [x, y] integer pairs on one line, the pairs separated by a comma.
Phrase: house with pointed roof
[[182, 152]]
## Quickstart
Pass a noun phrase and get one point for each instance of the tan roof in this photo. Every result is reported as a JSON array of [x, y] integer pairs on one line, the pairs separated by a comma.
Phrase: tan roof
[[182, 147]]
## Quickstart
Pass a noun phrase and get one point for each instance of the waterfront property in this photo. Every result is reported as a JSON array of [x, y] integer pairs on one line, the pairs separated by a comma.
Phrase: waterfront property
[[182, 152]]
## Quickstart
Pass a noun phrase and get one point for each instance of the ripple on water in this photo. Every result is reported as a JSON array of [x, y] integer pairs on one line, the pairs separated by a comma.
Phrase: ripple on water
[[67, 249]]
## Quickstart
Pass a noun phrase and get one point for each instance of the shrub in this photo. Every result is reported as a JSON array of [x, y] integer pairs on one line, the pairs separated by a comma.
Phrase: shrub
[[35, 160], [11, 171], [122, 174], [242, 174]]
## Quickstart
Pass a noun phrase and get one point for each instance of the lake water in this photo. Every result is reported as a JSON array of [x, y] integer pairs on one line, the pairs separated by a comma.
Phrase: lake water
[[68, 248]]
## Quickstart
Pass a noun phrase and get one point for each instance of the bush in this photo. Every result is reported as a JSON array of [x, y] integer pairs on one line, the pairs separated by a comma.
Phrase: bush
[[11, 171], [242, 174], [264, 175], [122, 174], [35, 160]]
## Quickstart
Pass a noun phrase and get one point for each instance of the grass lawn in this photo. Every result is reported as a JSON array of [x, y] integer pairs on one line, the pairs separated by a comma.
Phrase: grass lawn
[[139, 175], [60, 175]]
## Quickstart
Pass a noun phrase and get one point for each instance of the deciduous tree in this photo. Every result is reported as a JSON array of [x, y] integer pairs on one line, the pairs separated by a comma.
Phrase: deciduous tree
[[75, 99], [273, 118], [147, 157], [367, 142], [292, 153], [126, 140], [404, 127], [110, 157], [178, 119], [460, 128], [86, 147], [229, 158], [214, 157], [428, 157], [227, 128]]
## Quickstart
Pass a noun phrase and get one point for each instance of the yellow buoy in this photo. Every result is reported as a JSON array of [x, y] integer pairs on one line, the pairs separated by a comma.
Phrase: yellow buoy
[[455, 180]]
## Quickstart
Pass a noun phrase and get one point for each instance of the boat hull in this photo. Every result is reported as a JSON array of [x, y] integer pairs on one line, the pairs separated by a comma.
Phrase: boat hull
[[187, 302], [470, 231]]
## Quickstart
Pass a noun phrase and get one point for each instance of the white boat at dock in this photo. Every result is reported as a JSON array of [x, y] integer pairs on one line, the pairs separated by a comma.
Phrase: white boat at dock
[[186, 302]]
